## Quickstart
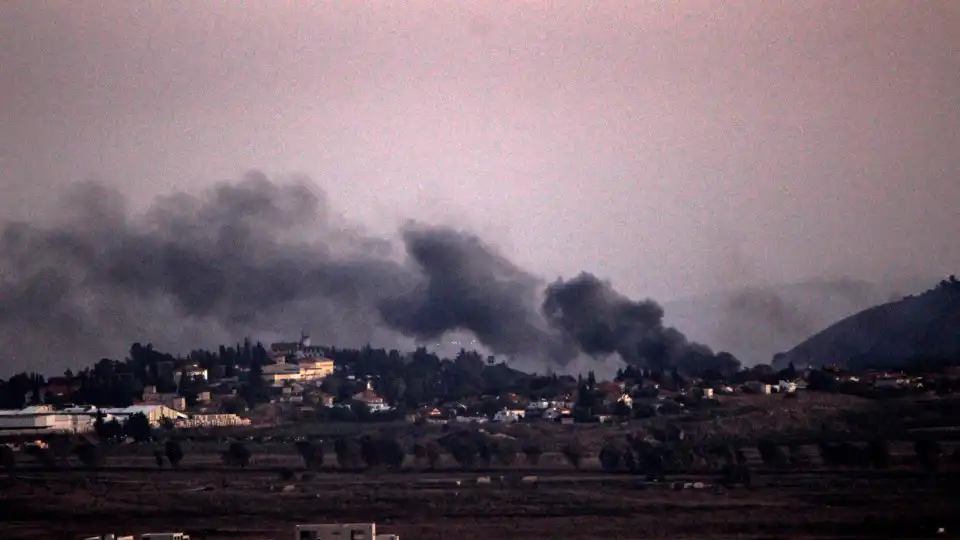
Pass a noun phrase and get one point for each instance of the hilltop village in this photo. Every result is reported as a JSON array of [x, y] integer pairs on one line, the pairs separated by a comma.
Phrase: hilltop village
[[251, 385]]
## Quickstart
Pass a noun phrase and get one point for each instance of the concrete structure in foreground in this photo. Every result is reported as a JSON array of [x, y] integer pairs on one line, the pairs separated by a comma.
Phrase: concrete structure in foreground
[[341, 531]]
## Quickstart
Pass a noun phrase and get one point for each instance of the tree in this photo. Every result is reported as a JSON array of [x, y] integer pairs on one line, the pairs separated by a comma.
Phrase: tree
[[138, 427], [370, 451], [610, 457], [99, 425], [574, 453], [237, 455], [90, 455], [391, 452], [174, 453], [464, 450], [505, 453], [484, 452], [312, 454], [158, 456], [419, 453], [532, 451], [8, 459], [433, 455], [347, 452]]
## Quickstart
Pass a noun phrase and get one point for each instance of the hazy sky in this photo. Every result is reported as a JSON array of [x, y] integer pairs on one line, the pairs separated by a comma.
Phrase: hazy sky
[[673, 147]]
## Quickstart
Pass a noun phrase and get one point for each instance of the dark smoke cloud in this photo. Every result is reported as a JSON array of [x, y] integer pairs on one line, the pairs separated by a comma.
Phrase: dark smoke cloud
[[263, 258], [599, 320], [466, 285]]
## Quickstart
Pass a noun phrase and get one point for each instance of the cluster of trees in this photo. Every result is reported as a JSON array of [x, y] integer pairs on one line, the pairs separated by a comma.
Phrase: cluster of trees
[[407, 380], [657, 457]]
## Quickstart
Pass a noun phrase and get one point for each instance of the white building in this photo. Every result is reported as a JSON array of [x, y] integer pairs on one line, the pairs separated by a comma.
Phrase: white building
[[154, 413], [44, 419], [509, 416]]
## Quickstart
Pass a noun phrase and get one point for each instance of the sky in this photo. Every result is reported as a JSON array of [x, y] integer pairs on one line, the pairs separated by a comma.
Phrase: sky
[[674, 148]]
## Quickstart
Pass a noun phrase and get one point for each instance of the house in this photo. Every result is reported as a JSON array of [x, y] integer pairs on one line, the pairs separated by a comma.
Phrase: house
[[307, 370], [195, 372], [277, 374], [509, 415], [370, 398], [553, 415], [171, 400], [787, 386], [315, 368]]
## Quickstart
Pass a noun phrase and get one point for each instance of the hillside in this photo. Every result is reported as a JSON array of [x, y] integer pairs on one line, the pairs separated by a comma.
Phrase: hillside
[[890, 334], [755, 323]]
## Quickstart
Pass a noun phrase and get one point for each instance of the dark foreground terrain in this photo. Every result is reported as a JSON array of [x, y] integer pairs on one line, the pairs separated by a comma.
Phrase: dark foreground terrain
[[255, 504]]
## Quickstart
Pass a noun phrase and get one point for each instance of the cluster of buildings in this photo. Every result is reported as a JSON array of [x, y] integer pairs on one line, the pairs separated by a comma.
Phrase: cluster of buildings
[[39, 419], [297, 361]]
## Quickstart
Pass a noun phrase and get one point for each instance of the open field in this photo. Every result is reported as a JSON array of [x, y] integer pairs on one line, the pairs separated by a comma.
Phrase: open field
[[255, 504], [211, 500]]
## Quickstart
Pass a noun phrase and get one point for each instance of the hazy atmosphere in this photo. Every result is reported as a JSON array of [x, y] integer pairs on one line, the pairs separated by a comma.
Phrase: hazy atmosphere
[[674, 149]]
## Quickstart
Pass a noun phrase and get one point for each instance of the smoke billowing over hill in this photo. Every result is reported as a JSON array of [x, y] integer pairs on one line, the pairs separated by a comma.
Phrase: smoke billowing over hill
[[261, 258]]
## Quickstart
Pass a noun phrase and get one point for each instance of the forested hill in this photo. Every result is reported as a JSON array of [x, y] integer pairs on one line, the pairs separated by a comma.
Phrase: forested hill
[[924, 327]]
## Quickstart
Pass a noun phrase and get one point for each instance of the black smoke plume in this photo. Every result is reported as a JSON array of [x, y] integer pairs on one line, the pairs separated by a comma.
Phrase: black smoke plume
[[598, 320], [267, 259]]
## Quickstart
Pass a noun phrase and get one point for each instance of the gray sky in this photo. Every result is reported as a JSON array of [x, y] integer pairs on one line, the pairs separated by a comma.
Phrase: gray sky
[[673, 147]]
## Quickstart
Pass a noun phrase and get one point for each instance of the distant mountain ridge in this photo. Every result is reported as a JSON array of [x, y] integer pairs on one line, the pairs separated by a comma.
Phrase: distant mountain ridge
[[755, 323], [917, 327]]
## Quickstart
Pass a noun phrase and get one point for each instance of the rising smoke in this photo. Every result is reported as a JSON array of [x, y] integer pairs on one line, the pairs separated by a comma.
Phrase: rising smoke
[[258, 257]]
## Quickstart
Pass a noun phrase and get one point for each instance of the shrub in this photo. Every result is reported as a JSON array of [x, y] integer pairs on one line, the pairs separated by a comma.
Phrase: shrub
[[174, 453]]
